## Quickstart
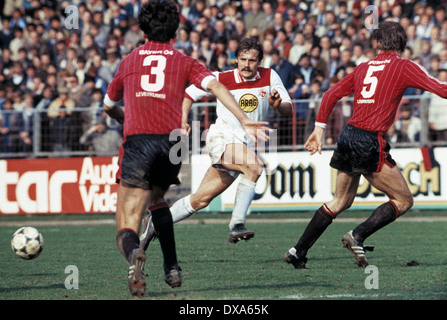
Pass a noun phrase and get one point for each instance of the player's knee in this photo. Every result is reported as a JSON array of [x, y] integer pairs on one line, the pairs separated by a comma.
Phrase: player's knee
[[346, 206], [253, 172], [337, 206], [341, 208], [198, 204], [405, 204], [410, 203]]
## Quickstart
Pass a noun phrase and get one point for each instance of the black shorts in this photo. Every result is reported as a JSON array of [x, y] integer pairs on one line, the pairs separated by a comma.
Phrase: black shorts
[[144, 161], [360, 151]]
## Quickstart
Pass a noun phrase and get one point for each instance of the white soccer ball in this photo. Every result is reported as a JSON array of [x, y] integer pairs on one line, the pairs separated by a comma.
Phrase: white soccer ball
[[27, 243]]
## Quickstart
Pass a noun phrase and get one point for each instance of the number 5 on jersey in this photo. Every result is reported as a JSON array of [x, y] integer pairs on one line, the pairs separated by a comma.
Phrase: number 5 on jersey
[[371, 80]]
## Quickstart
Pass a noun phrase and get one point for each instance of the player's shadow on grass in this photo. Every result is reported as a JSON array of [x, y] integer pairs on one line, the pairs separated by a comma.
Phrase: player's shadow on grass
[[263, 286], [281, 259], [30, 287]]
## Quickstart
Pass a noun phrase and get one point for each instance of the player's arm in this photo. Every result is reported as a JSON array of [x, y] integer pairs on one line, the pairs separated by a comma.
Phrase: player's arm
[[279, 97], [275, 100], [192, 94], [186, 108], [254, 129], [113, 96], [417, 76], [315, 141], [343, 88], [113, 110]]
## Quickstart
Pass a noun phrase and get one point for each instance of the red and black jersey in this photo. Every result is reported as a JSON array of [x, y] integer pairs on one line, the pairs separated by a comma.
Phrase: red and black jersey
[[152, 80], [378, 86]]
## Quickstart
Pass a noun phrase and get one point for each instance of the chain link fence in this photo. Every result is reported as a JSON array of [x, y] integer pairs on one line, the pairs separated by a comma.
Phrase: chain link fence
[[89, 132]]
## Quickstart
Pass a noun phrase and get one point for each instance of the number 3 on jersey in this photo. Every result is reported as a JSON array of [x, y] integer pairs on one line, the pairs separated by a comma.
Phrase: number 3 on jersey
[[370, 80], [158, 64]]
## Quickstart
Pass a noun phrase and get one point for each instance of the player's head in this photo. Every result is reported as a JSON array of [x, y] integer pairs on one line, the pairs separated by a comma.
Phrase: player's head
[[248, 44], [249, 54], [159, 20], [390, 36]]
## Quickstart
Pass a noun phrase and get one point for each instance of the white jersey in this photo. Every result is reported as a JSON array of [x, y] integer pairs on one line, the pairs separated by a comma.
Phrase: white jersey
[[252, 96]]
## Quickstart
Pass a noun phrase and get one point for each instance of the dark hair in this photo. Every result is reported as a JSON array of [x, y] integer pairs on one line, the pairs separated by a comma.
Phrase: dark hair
[[390, 36], [159, 20], [247, 44]]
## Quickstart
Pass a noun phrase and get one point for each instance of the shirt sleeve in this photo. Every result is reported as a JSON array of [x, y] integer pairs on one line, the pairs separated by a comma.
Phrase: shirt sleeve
[[193, 93], [276, 83], [342, 89], [417, 76], [200, 76], [115, 89]]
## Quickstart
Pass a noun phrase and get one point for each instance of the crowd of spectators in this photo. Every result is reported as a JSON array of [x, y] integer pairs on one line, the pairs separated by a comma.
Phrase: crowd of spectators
[[55, 68]]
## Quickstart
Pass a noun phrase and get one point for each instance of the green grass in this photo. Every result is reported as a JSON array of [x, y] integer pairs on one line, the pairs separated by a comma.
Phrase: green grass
[[213, 269]]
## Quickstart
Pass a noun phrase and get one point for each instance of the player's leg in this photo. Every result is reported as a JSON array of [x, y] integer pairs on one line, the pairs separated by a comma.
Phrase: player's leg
[[214, 183], [131, 204], [391, 182], [345, 191], [240, 158], [162, 221], [401, 200]]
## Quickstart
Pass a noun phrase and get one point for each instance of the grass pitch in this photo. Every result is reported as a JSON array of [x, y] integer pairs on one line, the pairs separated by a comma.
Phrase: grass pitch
[[410, 257]]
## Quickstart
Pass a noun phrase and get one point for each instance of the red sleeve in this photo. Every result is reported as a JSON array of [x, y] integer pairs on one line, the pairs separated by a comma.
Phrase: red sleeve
[[115, 89], [198, 73], [417, 77], [187, 96], [342, 89]]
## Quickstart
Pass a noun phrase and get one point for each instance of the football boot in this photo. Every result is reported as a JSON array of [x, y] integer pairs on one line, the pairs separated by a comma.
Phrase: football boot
[[238, 232], [356, 248], [292, 257]]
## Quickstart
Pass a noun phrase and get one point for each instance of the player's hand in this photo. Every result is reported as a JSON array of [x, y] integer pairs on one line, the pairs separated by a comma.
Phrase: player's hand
[[315, 141], [275, 99], [185, 129], [257, 130]]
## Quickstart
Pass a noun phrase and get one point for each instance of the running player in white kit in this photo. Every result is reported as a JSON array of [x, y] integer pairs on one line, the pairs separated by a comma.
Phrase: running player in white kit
[[231, 151]]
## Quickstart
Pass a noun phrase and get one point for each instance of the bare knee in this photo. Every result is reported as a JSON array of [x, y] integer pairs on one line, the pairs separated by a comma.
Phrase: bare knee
[[404, 204], [336, 210], [337, 205], [197, 203], [253, 172]]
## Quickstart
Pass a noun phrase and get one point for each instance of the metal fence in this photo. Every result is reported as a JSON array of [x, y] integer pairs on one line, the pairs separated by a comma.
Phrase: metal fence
[[37, 133]]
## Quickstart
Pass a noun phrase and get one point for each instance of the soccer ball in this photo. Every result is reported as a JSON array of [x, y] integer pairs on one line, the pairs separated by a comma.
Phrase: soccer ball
[[27, 243]]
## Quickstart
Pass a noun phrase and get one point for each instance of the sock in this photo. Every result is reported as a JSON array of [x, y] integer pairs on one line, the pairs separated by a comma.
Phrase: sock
[[245, 193], [181, 209], [162, 219], [320, 221], [383, 215], [127, 240]]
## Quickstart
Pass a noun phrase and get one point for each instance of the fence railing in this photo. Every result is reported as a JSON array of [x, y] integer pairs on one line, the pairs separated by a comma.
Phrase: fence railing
[[36, 133]]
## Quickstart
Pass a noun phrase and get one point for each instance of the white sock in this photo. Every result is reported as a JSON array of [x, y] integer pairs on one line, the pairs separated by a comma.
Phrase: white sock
[[245, 193], [181, 209]]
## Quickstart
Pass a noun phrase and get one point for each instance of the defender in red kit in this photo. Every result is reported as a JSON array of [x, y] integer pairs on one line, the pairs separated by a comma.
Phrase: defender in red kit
[[378, 86], [152, 80]]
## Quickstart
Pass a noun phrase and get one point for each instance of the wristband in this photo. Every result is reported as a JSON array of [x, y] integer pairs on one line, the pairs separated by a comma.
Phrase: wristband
[[320, 124]]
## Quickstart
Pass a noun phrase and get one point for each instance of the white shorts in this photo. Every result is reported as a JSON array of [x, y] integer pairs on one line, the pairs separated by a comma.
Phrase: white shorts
[[217, 139]]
